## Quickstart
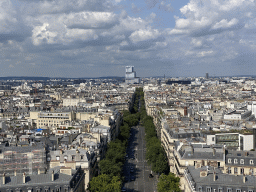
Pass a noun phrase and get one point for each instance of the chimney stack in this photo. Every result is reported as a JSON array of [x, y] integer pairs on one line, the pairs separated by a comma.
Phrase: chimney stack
[[24, 177], [52, 175], [214, 152], [38, 171], [15, 173], [214, 176], [4, 179]]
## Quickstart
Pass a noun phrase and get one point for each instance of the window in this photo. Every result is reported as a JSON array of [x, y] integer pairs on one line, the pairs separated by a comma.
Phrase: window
[[208, 189], [73, 157], [242, 170], [235, 170], [229, 190], [200, 189], [57, 158], [241, 161], [220, 190], [82, 157], [213, 138], [238, 190], [229, 160], [235, 161], [229, 170], [250, 191], [251, 162]]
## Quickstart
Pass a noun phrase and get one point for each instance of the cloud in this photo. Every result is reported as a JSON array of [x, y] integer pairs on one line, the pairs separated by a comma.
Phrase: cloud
[[144, 35], [12, 26], [66, 6], [212, 17], [84, 34], [91, 20]]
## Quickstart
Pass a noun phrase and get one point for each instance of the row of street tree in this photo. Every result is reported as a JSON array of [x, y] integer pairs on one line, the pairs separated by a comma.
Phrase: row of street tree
[[110, 178], [155, 154]]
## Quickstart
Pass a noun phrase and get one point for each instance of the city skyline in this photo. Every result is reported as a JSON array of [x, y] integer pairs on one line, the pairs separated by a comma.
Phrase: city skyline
[[62, 38]]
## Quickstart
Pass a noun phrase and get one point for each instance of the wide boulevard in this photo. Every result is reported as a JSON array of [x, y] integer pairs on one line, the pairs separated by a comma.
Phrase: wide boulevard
[[136, 169]]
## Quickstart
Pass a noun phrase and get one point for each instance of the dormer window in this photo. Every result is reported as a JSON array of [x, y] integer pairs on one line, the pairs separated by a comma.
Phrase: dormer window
[[235, 161], [57, 158], [241, 161], [251, 162], [229, 160]]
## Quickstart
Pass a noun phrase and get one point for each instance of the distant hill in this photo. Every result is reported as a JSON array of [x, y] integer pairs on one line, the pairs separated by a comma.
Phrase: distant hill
[[48, 78]]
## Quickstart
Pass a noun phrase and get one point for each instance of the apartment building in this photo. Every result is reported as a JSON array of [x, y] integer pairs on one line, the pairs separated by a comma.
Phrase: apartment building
[[211, 179], [18, 160], [60, 179], [196, 155], [240, 162], [234, 141], [50, 119], [73, 158]]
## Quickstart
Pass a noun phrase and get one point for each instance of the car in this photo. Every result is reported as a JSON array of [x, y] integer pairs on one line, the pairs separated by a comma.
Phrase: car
[[132, 157], [150, 175], [131, 170], [126, 179], [123, 189], [132, 178]]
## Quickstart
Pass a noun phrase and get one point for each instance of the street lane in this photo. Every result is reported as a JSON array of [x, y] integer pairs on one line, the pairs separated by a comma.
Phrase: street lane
[[137, 149]]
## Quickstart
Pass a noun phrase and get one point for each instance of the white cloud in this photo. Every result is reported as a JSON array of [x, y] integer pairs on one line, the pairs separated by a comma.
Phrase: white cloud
[[90, 20], [225, 24], [12, 26], [144, 35]]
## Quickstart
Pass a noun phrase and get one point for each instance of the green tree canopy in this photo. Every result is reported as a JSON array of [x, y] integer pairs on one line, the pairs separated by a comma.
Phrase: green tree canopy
[[105, 183]]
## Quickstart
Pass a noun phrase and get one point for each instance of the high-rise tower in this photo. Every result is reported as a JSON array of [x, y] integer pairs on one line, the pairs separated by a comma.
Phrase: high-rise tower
[[130, 75], [207, 75]]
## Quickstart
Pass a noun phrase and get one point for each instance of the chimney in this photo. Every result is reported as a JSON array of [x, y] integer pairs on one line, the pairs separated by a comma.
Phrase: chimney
[[185, 111], [38, 171], [214, 152], [52, 175], [24, 177], [15, 173], [214, 176], [244, 178], [3, 178]]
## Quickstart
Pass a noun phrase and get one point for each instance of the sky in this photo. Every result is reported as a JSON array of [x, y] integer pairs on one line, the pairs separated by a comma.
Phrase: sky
[[98, 38]]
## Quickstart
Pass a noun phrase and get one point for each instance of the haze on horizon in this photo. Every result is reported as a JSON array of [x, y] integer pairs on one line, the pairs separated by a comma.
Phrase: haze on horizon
[[94, 38]]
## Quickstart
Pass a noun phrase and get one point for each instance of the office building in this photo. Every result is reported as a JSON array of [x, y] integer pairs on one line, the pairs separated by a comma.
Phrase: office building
[[130, 75]]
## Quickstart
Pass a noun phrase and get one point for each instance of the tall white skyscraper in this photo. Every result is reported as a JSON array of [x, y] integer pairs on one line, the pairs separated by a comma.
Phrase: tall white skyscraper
[[130, 75]]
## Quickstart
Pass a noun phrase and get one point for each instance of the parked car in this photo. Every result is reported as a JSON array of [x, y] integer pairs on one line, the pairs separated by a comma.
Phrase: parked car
[[150, 175], [132, 178]]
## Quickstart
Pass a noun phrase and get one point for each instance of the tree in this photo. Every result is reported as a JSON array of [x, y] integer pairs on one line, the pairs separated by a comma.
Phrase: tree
[[110, 167], [105, 183], [161, 164], [168, 183]]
